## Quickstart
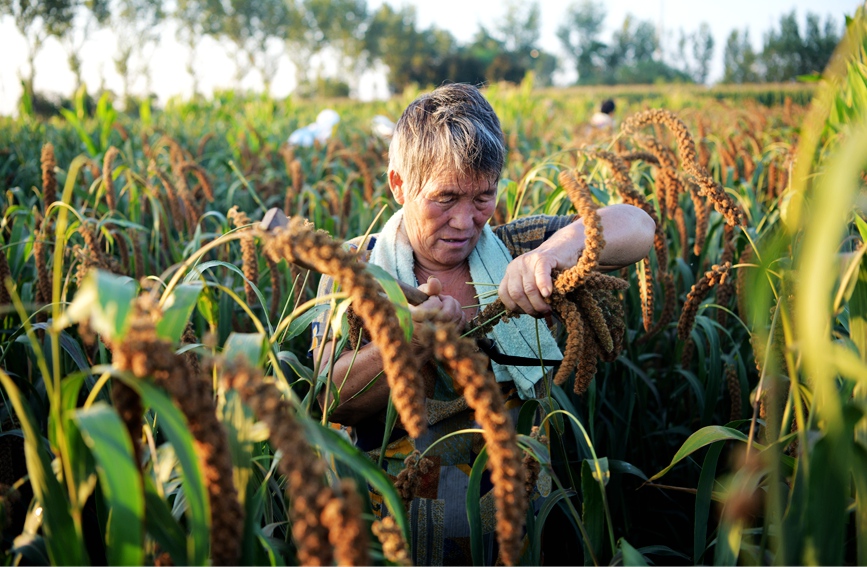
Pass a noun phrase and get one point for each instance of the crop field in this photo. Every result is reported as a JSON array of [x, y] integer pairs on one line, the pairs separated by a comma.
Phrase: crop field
[[159, 395]]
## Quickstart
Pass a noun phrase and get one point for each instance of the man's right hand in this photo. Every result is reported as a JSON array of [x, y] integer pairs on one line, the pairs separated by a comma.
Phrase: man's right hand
[[439, 307]]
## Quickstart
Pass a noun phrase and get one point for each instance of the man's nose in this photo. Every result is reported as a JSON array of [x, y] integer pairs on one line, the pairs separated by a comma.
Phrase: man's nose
[[462, 217]]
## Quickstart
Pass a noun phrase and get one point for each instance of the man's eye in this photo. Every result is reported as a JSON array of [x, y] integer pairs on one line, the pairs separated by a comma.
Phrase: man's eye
[[445, 199]]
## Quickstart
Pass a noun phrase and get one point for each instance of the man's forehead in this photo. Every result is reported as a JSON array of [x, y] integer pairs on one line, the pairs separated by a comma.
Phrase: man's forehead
[[459, 185]]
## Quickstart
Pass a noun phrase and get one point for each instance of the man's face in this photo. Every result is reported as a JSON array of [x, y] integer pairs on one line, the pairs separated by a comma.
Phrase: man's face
[[445, 218]]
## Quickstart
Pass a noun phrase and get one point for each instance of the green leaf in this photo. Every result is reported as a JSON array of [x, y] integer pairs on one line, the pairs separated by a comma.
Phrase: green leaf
[[631, 556], [120, 480], [474, 512], [177, 310], [592, 512], [249, 346], [703, 500], [300, 323], [394, 293], [105, 299], [63, 545], [160, 524], [551, 501], [341, 449], [858, 301], [174, 426], [701, 438]]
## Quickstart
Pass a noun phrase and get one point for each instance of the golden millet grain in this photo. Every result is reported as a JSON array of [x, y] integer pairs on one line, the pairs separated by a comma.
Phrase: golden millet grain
[[49, 178], [715, 276], [146, 355], [579, 192], [394, 546], [298, 243], [303, 469], [250, 260], [469, 370], [347, 532], [108, 161]]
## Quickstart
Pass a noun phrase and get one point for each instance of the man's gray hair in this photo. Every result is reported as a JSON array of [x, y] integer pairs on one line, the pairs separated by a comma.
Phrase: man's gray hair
[[452, 130]]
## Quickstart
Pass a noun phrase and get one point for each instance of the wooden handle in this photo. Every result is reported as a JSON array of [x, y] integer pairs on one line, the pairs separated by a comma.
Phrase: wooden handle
[[275, 218]]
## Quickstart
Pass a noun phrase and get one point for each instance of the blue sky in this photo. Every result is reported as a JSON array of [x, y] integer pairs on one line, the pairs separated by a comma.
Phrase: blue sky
[[461, 17]]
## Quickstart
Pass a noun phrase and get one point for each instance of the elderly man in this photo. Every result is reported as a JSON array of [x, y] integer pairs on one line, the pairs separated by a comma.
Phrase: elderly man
[[445, 160]]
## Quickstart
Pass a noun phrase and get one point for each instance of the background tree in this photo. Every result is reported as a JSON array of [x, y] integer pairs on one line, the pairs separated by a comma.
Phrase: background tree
[[739, 59], [255, 29], [411, 55], [781, 52], [517, 34], [193, 24], [134, 23], [579, 36], [702, 53], [87, 18], [339, 28], [819, 43], [37, 21]]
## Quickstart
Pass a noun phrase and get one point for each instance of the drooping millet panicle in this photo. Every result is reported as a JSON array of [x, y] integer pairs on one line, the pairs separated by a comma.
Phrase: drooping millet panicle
[[586, 369], [701, 143], [749, 162], [138, 257], [123, 251], [200, 149], [715, 276], [127, 403], [299, 243], [623, 182], [686, 354], [771, 179], [596, 281], [297, 174], [747, 257], [639, 155], [645, 292], [276, 292], [683, 236], [364, 171], [144, 354], [43, 277], [726, 290], [108, 179], [592, 314], [409, 478], [49, 178], [346, 530], [579, 193], [702, 216], [532, 467], [722, 201], [734, 387], [612, 307], [201, 176], [171, 196], [303, 469], [248, 254], [567, 312], [669, 304], [94, 255], [469, 370], [394, 547]]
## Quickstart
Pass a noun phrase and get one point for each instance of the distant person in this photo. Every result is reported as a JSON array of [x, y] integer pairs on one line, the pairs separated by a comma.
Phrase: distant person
[[604, 119]]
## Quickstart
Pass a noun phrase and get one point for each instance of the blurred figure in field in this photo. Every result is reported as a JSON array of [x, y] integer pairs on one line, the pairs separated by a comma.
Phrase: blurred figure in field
[[604, 119]]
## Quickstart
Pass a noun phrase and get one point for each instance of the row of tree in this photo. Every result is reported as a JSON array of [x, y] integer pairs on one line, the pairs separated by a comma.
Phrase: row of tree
[[259, 33]]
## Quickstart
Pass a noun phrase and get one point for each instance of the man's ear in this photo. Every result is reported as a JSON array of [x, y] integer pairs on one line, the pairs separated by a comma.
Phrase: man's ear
[[396, 184]]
